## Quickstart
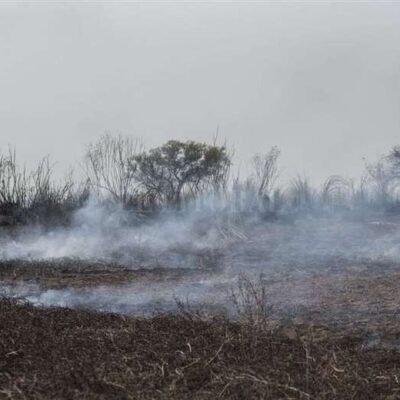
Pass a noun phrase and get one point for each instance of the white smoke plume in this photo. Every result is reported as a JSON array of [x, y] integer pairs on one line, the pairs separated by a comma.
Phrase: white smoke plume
[[210, 240]]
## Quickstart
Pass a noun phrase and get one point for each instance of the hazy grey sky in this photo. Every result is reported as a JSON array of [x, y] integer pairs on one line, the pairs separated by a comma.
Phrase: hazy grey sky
[[319, 79]]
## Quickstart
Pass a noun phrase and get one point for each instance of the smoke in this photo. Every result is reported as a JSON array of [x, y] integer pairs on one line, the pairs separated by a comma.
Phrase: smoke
[[211, 241], [107, 232]]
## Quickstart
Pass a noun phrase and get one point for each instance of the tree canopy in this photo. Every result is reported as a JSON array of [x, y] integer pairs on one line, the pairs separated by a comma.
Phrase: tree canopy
[[181, 167]]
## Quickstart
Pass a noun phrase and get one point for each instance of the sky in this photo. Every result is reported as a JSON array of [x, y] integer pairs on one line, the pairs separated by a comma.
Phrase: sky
[[318, 79]]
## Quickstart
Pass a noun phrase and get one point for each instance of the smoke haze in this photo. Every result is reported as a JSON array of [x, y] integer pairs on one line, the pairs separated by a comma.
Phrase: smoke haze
[[319, 79], [211, 242]]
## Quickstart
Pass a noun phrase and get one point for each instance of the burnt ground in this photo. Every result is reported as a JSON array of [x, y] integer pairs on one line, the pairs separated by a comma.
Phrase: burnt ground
[[333, 333], [70, 354], [69, 273], [340, 292]]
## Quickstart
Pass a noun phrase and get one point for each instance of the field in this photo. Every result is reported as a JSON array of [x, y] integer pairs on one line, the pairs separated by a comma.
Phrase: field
[[62, 353], [302, 310]]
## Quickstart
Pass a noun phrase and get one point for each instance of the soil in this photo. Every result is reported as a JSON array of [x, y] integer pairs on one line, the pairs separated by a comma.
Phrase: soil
[[60, 353]]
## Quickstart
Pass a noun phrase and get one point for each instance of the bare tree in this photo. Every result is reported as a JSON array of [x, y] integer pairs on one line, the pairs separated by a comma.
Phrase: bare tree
[[266, 171], [110, 166], [265, 176], [384, 179]]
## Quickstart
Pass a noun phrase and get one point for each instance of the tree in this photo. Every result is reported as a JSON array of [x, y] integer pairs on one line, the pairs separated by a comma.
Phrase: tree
[[266, 171], [266, 174], [181, 167], [384, 179], [110, 166]]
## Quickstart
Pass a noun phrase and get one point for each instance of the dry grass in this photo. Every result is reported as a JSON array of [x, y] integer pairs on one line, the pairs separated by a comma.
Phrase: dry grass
[[67, 354], [251, 302]]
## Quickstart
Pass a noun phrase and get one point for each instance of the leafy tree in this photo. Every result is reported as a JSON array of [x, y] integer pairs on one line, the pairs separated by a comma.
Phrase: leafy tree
[[181, 167]]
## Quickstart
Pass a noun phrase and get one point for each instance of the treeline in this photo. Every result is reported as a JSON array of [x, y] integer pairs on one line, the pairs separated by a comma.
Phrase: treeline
[[180, 175]]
